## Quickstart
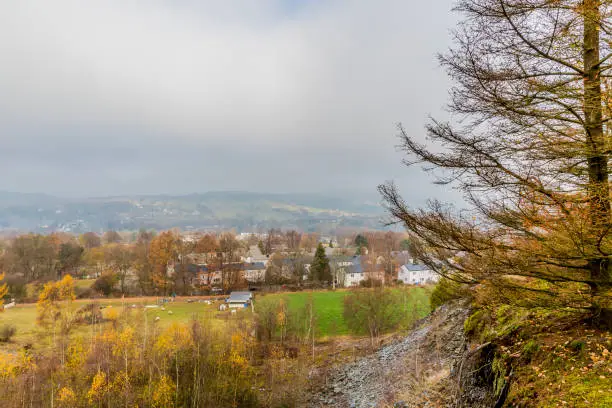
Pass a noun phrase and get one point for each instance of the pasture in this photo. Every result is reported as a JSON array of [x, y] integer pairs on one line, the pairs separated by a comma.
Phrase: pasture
[[329, 307], [23, 316]]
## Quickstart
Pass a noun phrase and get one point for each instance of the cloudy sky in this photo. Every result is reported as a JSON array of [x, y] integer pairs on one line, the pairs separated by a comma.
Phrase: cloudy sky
[[180, 96]]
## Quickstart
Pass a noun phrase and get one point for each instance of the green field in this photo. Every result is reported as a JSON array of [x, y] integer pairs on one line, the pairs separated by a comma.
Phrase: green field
[[329, 307]]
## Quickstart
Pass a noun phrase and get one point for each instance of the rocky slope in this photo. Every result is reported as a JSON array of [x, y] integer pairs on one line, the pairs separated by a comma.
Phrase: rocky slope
[[430, 367]]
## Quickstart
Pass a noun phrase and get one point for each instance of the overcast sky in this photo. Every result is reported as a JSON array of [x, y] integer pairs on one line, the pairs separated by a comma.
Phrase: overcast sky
[[179, 96]]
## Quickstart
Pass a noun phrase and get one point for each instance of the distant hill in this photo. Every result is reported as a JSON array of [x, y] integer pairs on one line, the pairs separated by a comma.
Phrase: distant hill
[[243, 211]]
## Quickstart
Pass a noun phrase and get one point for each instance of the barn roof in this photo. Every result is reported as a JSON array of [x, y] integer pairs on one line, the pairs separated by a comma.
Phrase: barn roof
[[239, 297]]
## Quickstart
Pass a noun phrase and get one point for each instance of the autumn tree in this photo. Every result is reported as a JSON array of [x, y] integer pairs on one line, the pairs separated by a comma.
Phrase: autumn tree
[[207, 247], [309, 241], [293, 239], [111, 237], [181, 268], [162, 252], [229, 259], [120, 258], [51, 301], [32, 256], [274, 238], [95, 260], [274, 270], [70, 257], [3, 292], [90, 240], [530, 154], [142, 264]]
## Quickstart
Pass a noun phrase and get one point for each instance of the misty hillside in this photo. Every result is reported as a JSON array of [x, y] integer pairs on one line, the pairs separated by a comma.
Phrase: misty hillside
[[243, 211]]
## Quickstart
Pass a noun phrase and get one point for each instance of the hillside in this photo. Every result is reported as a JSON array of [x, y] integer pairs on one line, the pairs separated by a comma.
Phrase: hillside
[[471, 356], [243, 211]]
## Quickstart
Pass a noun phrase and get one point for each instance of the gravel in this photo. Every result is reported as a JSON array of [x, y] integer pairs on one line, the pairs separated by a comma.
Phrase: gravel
[[374, 380]]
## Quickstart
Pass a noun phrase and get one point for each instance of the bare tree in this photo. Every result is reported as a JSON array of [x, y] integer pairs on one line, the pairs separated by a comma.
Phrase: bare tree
[[530, 155], [293, 239]]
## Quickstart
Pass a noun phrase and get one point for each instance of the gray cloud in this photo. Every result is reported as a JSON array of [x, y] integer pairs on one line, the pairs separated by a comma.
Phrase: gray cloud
[[115, 97]]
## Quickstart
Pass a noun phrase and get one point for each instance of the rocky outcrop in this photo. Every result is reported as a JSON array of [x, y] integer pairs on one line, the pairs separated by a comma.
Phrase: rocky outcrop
[[432, 366]]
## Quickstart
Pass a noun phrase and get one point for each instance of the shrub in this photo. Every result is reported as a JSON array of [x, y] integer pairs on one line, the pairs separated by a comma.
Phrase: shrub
[[7, 331], [105, 283], [576, 345], [88, 314], [373, 311], [370, 283], [445, 291]]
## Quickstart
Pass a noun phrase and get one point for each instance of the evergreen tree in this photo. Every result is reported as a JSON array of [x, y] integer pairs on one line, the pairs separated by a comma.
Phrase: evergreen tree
[[531, 155], [361, 242], [319, 270]]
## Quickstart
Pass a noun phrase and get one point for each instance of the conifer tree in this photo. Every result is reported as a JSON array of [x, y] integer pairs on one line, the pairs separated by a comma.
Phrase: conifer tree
[[530, 152], [319, 269]]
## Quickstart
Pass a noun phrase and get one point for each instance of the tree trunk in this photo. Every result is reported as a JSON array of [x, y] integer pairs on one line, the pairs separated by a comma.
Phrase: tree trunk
[[597, 160]]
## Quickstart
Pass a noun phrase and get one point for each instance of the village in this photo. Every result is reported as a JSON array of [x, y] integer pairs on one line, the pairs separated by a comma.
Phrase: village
[[289, 269]]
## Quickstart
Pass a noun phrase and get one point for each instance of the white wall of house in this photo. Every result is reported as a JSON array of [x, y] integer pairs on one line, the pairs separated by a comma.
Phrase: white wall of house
[[353, 279], [416, 277]]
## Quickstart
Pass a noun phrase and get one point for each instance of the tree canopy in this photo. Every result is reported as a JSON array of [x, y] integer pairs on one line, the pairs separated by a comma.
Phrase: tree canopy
[[530, 152]]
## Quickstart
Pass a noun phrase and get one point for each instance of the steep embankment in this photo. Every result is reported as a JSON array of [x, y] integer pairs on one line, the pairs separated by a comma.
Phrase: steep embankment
[[417, 370], [482, 357]]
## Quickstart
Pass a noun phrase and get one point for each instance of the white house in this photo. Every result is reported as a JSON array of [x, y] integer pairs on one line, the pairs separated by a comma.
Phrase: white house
[[254, 272], [354, 272], [412, 274]]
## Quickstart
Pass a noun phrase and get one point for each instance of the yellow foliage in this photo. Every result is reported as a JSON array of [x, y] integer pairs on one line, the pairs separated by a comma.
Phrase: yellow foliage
[[3, 291], [50, 298], [124, 341], [66, 286], [112, 314], [8, 366], [164, 393], [238, 351], [98, 387], [66, 397], [75, 357], [121, 382], [174, 338]]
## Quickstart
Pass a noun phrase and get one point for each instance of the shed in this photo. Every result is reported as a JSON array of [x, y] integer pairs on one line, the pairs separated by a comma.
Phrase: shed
[[239, 300]]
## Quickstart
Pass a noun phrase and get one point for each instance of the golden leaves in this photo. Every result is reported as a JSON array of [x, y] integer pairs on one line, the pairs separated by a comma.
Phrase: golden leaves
[[3, 291]]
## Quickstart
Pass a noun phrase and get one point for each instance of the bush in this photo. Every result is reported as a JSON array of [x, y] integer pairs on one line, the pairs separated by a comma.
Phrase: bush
[[105, 283], [7, 331], [373, 311], [16, 288], [576, 345], [445, 291], [88, 314], [370, 283]]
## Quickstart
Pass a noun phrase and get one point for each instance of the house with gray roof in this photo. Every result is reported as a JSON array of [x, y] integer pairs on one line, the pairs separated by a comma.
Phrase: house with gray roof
[[416, 274], [239, 300]]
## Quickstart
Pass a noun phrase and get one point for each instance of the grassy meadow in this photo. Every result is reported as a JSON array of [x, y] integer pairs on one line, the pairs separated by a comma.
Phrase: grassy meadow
[[23, 316], [329, 307]]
